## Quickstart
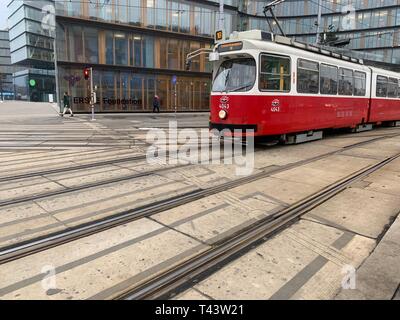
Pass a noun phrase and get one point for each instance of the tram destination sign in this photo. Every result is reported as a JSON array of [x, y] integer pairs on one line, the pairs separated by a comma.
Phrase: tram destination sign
[[230, 46]]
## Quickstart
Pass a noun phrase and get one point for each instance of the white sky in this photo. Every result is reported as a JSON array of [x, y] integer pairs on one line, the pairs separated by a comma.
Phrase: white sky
[[3, 13]]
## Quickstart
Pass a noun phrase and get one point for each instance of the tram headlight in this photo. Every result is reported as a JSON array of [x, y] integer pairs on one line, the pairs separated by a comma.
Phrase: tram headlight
[[222, 114]]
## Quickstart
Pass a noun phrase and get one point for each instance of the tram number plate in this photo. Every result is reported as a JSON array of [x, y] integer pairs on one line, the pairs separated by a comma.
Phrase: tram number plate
[[275, 109], [276, 106]]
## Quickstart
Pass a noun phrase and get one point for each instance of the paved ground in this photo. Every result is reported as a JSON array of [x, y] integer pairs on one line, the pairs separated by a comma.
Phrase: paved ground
[[56, 173]]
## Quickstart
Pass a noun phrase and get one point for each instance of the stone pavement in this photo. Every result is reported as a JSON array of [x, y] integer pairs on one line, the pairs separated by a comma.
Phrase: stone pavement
[[379, 276]]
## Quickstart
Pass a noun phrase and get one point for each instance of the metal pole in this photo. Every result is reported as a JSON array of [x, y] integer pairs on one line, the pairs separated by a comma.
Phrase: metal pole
[[176, 101], [221, 16], [1, 87], [56, 74], [319, 21], [277, 22], [92, 96]]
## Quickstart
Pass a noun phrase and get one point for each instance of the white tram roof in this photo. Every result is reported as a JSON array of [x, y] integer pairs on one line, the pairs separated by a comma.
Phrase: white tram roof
[[264, 41]]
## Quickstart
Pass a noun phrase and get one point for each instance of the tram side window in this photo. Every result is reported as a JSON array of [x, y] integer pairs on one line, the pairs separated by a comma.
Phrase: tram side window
[[393, 88], [360, 85], [329, 79], [307, 76], [345, 82], [398, 91], [274, 73], [381, 86]]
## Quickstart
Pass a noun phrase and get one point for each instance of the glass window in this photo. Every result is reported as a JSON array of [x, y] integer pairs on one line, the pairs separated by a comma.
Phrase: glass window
[[150, 13], [137, 51], [76, 44], [161, 14], [393, 87], [134, 11], [4, 60], [121, 48], [360, 79], [108, 88], [174, 16], [93, 6], [121, 11], [106, 10], [185, 18], [173, 48], [307, 76], [136, 87], [345, 82], [329, 79], [381, 86], [398, 90], [91, 45], [109, 48], [274, 73], [235, 75], [74, 8], [17, 16], [18, 29], [148, 51], [163, 52]]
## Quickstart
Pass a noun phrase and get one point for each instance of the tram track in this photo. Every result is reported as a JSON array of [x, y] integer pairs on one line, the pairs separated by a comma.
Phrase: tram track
[[78, 167], [71, 168], [121, 160], [67, 190], [25, 248], [188, 273]]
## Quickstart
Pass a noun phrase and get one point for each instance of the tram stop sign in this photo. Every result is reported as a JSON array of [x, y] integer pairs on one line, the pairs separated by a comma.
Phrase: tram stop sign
[[174, 79]]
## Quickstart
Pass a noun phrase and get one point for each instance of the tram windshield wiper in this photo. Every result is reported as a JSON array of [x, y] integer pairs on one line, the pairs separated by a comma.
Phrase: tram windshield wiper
[[226, 80]]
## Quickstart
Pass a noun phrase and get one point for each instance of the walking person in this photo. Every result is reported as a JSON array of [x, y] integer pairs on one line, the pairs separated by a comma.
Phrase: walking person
[[156, 104], [67, 104]]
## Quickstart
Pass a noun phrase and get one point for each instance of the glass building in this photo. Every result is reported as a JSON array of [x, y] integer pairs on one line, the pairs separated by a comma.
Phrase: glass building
[[32, 49], [6, 70], [136, 48], [373, 26]]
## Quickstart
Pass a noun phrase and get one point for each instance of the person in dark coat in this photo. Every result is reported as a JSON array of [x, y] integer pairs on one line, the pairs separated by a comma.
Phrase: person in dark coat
[[67, 104], [156, 104]]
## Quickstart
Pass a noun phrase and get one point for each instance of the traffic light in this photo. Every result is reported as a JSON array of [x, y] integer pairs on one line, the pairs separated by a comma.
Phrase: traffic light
[[86, 73]]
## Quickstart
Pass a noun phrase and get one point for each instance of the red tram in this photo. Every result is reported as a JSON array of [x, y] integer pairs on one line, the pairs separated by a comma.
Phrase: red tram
[[292, 91]]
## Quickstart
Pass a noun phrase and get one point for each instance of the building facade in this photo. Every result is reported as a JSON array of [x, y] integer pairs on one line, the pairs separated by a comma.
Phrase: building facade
[[32, 49], [137, 49], [6, 70], [373, 26]]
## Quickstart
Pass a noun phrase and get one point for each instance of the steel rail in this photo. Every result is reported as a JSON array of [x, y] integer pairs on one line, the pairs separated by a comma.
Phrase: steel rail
[[183, 276], [71, 168], [39, 196], [78, 167], [121, 160], [24, 248]]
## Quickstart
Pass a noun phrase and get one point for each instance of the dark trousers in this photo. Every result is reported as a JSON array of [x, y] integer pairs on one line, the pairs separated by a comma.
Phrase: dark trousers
[[156, 108]]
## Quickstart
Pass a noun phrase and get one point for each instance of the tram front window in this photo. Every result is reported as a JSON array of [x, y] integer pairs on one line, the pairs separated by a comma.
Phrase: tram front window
[[235, 75]]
